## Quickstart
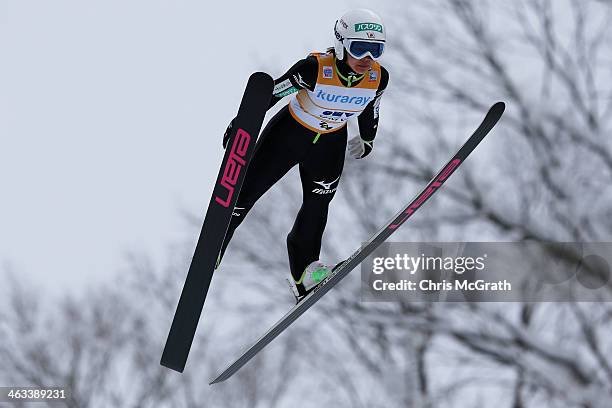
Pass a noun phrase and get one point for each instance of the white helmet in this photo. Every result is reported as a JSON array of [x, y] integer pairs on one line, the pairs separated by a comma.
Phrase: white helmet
[[361, 32]]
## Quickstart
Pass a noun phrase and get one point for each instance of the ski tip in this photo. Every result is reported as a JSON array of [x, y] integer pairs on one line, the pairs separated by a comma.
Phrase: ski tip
[[217, 380], [499, 106]]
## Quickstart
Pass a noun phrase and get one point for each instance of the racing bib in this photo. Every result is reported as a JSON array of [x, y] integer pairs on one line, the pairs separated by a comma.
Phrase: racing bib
[[331, 104]]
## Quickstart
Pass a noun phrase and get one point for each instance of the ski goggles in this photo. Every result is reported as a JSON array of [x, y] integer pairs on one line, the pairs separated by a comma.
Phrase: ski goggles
[[360, 49]]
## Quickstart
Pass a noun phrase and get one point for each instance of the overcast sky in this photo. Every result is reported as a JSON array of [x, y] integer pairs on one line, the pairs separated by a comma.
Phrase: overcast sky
[[111, 116]]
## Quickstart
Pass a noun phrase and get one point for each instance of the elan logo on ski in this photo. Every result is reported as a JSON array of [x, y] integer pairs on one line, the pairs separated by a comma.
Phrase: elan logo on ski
[[230, 177], [429, 191], [235, 163]]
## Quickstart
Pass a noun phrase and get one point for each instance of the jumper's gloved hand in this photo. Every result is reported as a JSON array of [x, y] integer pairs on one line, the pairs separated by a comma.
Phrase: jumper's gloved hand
[[227, 133], [359, 148]]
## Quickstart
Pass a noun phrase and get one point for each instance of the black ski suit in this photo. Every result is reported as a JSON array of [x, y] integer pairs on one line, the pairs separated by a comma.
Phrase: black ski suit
[[285, 142]]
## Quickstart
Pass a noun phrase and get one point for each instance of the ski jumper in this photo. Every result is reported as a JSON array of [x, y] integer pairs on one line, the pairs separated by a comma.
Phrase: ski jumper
[[310, 132]]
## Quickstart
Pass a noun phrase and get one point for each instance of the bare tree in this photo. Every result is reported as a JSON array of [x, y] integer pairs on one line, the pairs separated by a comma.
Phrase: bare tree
[[104, 345], [543, 175]]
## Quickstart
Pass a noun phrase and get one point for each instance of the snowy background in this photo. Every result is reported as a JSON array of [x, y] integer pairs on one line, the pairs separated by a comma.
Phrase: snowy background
[[111, 117]]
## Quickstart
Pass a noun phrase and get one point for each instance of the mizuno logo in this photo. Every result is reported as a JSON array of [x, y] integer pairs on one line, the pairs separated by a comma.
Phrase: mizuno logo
[[326, 187], [300, 81]]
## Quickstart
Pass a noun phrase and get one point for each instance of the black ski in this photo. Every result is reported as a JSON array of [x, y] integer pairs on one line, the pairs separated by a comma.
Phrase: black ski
[[343, 268], [245, 130]]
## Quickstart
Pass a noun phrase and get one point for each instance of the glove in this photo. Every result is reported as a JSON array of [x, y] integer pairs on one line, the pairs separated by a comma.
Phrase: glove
[[227, 133], [359, 148]]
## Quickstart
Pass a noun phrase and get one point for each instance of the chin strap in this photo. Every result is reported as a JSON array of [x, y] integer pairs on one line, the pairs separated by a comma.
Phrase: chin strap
[[351, 78]]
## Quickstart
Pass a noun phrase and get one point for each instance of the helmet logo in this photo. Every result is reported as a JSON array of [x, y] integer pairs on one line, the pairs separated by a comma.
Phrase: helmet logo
[[368, 27], [370, 35], [344, 24], [338, 36]]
